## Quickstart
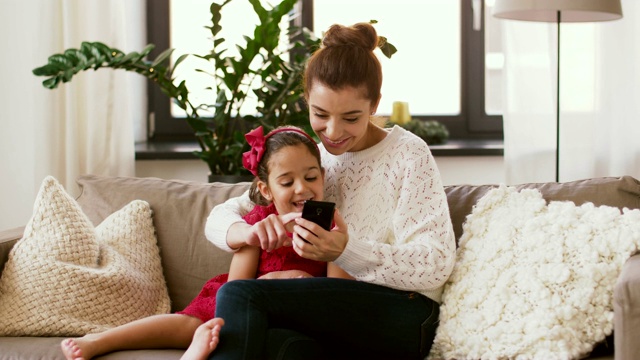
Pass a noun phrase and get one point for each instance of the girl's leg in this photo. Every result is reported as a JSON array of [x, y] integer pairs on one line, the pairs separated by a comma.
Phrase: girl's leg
[[154, 332], [366, 320]]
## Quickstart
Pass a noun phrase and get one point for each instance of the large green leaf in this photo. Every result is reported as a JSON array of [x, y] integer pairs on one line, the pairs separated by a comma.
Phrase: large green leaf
[[162, 57]]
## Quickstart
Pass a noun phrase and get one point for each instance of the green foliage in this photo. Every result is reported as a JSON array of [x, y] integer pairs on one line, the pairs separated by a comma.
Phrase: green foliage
[[431, 131], [221, 136]]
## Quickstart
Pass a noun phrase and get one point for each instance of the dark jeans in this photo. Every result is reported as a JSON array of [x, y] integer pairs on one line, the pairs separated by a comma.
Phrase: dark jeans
[[322, 318]]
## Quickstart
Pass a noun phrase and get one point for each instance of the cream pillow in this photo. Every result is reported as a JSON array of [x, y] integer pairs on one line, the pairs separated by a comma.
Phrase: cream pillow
[[67, 278], [533, 281]]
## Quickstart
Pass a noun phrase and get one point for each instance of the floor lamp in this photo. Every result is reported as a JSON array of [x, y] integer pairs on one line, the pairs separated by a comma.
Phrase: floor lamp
[[558, 11]]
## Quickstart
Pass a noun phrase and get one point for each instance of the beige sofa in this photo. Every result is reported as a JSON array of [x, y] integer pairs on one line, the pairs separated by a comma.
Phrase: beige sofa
[[181, 208]]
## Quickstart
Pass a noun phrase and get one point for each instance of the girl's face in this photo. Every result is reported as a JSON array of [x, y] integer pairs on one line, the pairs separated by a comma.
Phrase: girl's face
[[294, 177], [341, 118]]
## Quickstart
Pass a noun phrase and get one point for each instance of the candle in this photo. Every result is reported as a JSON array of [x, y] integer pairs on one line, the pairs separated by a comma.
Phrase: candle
[[400, 113]]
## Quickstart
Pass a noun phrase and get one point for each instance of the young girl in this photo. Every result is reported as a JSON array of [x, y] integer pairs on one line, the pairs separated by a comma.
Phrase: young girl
[[286, 163]]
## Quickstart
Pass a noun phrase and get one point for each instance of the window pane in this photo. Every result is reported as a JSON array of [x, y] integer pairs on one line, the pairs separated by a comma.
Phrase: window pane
[[188, 19], [425, 72]]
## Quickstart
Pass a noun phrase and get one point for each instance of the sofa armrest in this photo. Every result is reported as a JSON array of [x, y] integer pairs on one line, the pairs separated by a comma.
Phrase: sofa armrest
[[626, 308], [8, 238]]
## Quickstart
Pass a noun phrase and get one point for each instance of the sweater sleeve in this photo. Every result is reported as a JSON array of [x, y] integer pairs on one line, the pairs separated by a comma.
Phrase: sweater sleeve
[[415, 250], [223, 216]]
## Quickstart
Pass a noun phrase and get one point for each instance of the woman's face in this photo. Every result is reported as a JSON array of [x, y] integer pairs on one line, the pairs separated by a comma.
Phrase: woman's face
[[340, 118], [294, 177]]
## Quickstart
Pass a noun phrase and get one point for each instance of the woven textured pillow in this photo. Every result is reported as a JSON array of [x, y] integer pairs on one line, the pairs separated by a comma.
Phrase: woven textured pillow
[[67, 278], [533, 280]]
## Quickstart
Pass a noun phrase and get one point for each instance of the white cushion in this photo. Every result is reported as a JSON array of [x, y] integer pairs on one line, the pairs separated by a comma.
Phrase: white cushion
[[67, 278], [533, 280]]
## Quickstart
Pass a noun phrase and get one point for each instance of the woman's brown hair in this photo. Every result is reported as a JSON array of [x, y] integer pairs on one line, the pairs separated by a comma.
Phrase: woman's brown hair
[[346, 59]]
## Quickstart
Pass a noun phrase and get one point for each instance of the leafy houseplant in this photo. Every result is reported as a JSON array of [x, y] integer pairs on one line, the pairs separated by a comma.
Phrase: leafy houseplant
[[221, 135], [431, 131]]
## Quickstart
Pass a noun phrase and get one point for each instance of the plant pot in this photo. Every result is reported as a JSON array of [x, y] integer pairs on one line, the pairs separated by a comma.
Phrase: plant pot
[[231, 179]]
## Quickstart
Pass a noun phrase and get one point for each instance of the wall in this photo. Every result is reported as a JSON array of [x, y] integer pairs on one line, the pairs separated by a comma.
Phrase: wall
[[193, 170], [453, 169], [475, 170]]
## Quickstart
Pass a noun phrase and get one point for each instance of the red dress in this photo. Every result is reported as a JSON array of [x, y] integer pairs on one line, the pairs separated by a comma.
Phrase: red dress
[[284, 258]]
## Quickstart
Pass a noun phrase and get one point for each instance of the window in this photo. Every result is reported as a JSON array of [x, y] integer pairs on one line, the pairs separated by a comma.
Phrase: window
[[439, 68]]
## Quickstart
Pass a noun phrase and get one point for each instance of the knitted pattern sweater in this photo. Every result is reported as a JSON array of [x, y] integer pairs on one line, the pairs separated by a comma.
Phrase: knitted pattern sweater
[[392, 198]]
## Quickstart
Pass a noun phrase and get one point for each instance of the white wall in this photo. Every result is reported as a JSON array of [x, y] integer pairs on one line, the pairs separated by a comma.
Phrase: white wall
[[193, 170], [474, 170], [453, 169]]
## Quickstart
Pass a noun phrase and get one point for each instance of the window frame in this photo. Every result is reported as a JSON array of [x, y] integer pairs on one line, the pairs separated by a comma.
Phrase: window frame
[[473, 123]]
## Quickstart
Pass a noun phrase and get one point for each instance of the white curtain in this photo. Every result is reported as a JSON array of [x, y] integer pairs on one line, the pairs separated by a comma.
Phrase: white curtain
[[86, 126], [599, 93]]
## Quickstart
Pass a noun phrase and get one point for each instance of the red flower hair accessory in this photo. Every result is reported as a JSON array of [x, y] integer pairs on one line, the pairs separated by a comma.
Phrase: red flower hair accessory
[[251, 158], [256, 139]]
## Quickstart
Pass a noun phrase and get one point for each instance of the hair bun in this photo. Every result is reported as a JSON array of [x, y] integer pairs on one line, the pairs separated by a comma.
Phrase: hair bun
[[362, 35]]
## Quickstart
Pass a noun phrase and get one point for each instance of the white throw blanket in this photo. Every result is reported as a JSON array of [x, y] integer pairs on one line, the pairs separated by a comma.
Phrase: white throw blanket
[[533, 281]]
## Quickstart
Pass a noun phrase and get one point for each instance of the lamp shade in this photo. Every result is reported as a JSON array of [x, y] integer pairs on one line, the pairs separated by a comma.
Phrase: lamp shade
[[548, 10]]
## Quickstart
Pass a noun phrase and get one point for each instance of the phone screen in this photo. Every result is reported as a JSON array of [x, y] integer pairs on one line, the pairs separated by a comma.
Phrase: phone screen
[[320, 212]]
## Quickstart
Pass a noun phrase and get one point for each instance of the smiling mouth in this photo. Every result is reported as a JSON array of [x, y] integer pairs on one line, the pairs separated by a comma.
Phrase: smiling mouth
[[335, 143], [300, 204]]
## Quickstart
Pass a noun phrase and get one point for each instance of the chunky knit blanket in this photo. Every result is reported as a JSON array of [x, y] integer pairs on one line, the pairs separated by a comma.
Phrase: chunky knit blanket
[[67, 278], [534, 281]]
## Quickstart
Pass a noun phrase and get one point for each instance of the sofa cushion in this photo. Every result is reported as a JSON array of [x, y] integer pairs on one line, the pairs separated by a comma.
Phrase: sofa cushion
[[48, 348], [534, 280], [620, 192], [180, 210], [66, 278]]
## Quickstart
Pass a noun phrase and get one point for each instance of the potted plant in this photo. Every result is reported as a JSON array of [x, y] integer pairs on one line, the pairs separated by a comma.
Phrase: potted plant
[[220, 135], [432, 132]]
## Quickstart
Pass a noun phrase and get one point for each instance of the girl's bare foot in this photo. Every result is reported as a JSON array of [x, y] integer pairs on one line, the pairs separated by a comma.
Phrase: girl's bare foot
[[72, 349], [205, 340]]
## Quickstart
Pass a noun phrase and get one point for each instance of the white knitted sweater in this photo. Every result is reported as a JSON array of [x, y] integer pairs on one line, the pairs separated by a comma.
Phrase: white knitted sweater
[[392, 198]]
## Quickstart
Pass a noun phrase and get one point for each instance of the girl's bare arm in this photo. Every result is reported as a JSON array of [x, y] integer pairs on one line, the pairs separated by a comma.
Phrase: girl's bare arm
[[244, 264]]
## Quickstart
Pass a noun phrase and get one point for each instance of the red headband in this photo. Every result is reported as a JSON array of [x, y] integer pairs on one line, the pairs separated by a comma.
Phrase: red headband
[[257, 141]]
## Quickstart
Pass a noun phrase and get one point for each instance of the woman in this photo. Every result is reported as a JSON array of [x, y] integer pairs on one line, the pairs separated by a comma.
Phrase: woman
[[399, 246]]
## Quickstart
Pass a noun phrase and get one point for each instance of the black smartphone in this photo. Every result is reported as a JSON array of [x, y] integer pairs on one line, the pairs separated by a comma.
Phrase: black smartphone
[[320, 212]]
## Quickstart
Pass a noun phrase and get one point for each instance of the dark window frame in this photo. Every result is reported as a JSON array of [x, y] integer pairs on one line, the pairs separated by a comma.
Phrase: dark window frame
[[473, 123]]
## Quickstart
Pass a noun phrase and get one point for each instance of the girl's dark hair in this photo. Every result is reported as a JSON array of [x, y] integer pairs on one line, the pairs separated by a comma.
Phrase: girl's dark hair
[[275, 143], [346, 59]]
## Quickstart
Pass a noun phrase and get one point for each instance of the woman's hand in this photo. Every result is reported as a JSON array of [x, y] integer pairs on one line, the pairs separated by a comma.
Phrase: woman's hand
[[286, 274], [270, 233], [320, 245]]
